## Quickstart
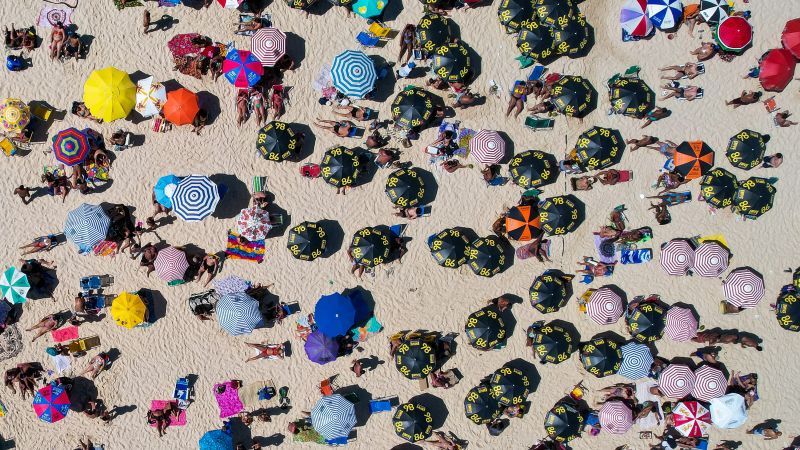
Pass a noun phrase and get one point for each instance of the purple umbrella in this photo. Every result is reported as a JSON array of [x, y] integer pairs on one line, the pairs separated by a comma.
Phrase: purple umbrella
[[320, 348]]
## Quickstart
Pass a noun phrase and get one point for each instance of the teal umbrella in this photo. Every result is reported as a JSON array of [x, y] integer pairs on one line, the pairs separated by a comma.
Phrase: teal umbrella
[[369, 8], [14, 285]]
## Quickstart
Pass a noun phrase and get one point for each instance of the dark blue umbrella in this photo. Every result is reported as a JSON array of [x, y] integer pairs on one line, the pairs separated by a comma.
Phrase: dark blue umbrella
[[336, 314], [320, 348]]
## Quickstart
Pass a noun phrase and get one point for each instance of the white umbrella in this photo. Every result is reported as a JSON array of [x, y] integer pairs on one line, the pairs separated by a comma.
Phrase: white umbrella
[[150, 97]]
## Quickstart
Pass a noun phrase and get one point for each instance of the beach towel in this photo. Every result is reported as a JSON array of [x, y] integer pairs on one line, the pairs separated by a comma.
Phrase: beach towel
[[10, 342], [606, 251], [638, 256], [173, 421], [105, 248], [65, 334], [252, 251], [249, 394], [643, 395], [49, 15], [228, 401], [715, 238], [361, 334], [61, 363]]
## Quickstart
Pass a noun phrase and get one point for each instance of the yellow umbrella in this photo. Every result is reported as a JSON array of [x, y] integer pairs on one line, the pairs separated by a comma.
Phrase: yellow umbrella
[[14, 115], [109, 94], [128, 310]]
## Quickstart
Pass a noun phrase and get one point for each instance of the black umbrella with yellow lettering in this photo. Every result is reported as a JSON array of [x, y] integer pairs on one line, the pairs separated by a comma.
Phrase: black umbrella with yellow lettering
[[415, 358], [369, 247], [405, 187], [486, 256], [554, 13], [307, 241], [559, 215], [718, 187], [598, 148], [564, 422], [449, 248], [510, 386], [433, 30], [412, 422], [573, 37], [746, 149], [551, 343], [533, 168], [515, 14], [787, 310], [601, 357], [340, 166], [536, 41], [451, 62], [413, 107], [277, 141], [631, 97], [573, 96], [754, 197], [480, 406], [647, 321], [485, 328], [550, 291]]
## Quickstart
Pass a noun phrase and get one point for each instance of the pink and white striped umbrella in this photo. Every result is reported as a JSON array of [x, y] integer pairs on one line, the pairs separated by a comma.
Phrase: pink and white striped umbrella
[[692, 419], [605, 306], [616, 417], [171, 264], [711, 259], [487, 147], [633, 18], [677, 257], [681, 325], [268, 45], [709, 383], [676, 381], [744, 288], [230, 3]]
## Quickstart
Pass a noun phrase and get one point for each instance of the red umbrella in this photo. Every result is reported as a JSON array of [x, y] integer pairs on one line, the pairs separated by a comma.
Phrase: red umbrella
[[734, 34], [791, 37], [776, 69]]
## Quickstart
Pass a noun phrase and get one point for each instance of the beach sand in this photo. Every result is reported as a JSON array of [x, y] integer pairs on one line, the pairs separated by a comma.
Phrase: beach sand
[[416, 293]]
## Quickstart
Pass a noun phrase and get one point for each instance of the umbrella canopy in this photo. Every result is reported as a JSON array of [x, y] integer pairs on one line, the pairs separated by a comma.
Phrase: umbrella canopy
[[734, 34], [14, 285], [307, 241], [51, 403], [718, 187], [754, 197], [405, 187], [573, 96], [369, 8], [487, 147], [676, 381], [241, 68], [230, 4], [601, 357], [433, 30], [680, 324], [790, 38], [277, 141], [605, 306], [370, 246], [572, 37], [413, 107], [631, 97], [616, 417], [171, 264], [711, 259], [415, 359], [71, 146], [321, 349], [451, 62], [253, 223], [714, 11], [692, 419], [744, 288], [480, 406], [559, 215], [109, 94], [729, 411], [646, 323], [238, 314], [86, 225], [776, 69], [787, 311], [336, 314], [412, 422], [636, 361], [550, 292], [231, 285], [599, 148], [195, 198], [485, 328], [509, 386], [268, 45], [216, 440], [449, 248], [554, 13], [333, 416], [709, 383], [693, 159], [340, 166], [677, 256], [533, 168], [300, 4], [182, 45], [486, 256], [353, 73], [165, 189], [665, 14], [536, 41], [563, 422], [514, 14], [128, 310], [14, 115], [522, 223], [181, 106], [552, 343], [634, 18]]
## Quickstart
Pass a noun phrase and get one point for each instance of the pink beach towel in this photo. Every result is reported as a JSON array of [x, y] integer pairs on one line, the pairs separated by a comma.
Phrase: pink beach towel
[[65, 334], [160, 404], [228, 401], [49, 15]]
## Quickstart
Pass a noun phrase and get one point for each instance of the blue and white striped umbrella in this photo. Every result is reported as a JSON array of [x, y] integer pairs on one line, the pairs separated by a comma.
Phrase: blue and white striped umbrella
[[636, 361], [239, 314], [333, 417], [195, 198], [86, 225], [353, 73], [665, 14]]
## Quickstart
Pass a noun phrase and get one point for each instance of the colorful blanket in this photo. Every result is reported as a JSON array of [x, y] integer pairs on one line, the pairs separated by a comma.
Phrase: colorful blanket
[[638, 256], [228, 401], [65, 334], [173, 421], [49, 15], [105, 248], [252, 251]]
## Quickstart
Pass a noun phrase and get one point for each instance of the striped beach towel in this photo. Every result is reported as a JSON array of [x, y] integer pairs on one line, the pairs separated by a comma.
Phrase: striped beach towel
[[252, 251]]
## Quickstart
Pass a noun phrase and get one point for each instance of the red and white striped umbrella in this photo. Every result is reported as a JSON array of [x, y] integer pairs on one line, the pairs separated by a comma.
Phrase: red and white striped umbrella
[[230, 3], [677, 256], [676, 381], [709, 383], [692, 419], [711, 259], [605, 306], [744, 288], [171, 264], [616, 417], [268, 45], [487, 147], [681, 325]]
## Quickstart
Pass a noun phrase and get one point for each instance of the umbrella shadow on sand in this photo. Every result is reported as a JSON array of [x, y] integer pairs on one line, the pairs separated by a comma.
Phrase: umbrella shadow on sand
[[309, 141], [431, 186], [435, 406], [156, 304], [362, 398], [529, 370], [334, 234], [236, 198], [508, 315], [510, 147], [83, 390], [210, 103], [296, 46], [384, 87]]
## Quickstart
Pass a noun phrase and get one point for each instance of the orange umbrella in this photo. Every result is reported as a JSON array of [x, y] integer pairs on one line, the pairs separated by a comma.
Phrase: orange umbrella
[[523, 223], [693, 159], [181, 106]]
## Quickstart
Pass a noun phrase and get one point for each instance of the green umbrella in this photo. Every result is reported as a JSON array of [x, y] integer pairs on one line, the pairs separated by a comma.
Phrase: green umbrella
[[647, 321], [550, 292], [746, 149], [413, 107], [433, 30], [572, 38], [14, 285], [369, 247], [412, 422], [533, 168], [718, 187], [631, 97], [554, 13], [485, 328], [480, 406], [307, 241], [573, 96], [559, 215], [536, 41], [405, 187], [599, 148], [451, 62], [509, 386], [754, 197], [564, 422], [449, 248], [277, 141], [601, 357], [486, 257], [340, 166], [515, 14], [551, 343]]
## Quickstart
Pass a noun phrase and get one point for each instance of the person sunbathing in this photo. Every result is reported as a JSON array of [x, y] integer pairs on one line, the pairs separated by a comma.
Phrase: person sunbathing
[[269, 351], [73, 46], [688, 93], [258, 103], [782, 119], [541, 108], [746, 98], [362, 114], [689, 70], [80, 110], [96, 365], [251, 25], [40, 244], [242, 99], [341, 128], [57, 38], [645, 141], [409, 213], [441, 442], [706, 51], [48, 323], [209, 267]]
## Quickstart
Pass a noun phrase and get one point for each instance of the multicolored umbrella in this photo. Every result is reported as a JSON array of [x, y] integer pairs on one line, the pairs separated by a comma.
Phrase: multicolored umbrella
[[554, 13], [754, 197], [277, 141], [509, 386], [195, 198], [551, 343], [693, 159], [711, 259], [128, 310], [433, 30], [734, 34], [744, 288], [14, 285], [533, 168], [241, 68], [787, 310], [405, 187], [165, 189], [523, 223], [307, 241], [665, 14], [333, 416], [238, 314], [340, 166], [790, 37], [451, 62], [109, 94], [559, 215], [353, 73], [599, 148], [550, 292], [15, 115], [605, 306], [776, 69], [51, 403], [486, 256], [216, 440], [714, 11], [171, 264], [413, 107], [487, 147], [573, 96], [71, 146], [677, 256], [692, 419], [369, 247], [636, 361], [480, 406], [230, 4], [564, 422], [321, 349], [514, 14], [415, 359], [631, 97], [268, 45], [412, 422], [253, 223], [634, 19], [231, 285], [485, 328], [718, 187], [676, 381], [601, 357], [150, 97], [572, 37], [86, 226], [369, 8], [709, 383], [536, 41], [615, 417], [680, 324], [647, 322], [181, 106], [449, 248]]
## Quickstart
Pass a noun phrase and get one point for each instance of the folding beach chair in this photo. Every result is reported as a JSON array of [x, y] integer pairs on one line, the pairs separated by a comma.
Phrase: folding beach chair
[[259, 184], [367, 40], [95, 282], [203, 302], [41, 112], [266, 21], [537, 123], [183, 393], [379, 30], [537, 73], [8, 146], [380, 405], [168, 3], [82, 345]]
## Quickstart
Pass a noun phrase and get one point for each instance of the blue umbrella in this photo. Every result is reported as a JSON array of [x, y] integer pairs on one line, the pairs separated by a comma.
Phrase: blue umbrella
[[636, 361], [195, 198], [165, 188], [336, 314], [665, 14], [320, 348], [353, 73], [239, 314], [86, 226], [333, 417], [216, 440]]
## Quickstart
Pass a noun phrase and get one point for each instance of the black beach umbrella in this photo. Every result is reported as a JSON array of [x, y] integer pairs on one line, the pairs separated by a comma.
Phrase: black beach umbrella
[[554, 13], [550, 292], [631, 97], [647, 322], [787, 310], [601, 357], [479, 405], [572, 38], [413, 107], [307, 241], [486, 256], [449, 248], [415, 359], [405, 187], [510, 386], [718, 187], [340, 166], [573, 96], [451, 62], [433, 30], [485, 328], [746, 149], [599, 148], [564, 422], [370, 247], [515, 14], [551, 343], [412, 422], [754, 197], [536, 41], [533, 168], [277, 141], [559, 215]]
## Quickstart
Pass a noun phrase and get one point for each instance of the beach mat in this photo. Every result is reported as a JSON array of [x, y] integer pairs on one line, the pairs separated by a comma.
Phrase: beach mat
[[249, 394], [49, 15], [174, 422], [65, 334], [228, 401], [252, 251], [638, 256]]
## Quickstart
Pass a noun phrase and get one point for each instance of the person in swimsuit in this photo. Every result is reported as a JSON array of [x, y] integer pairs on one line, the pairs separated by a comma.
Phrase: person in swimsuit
[[159, 419], [583, 183], [57, 38], [670, 181], [241, 106], [519, 95], [706, 51], [341, 128], [80, 110], [149, 253], [386, 157], [688, 70], [199, 121], [40, 244], [47, 324], [782, 119], [159, 208], [688, 93], [258, 105], [541, 108], [772, 161], [746, 98], [362, 114], [673, 198], [409, 213], [655, 115], [665, 147], [96, 365], [72, 49], [209, 266], [767, 431], [661, 212], [406, 43], [266, 351]]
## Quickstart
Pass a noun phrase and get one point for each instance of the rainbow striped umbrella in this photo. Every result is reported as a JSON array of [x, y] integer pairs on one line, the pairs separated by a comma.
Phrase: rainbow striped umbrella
[[241, 68], [71, 146]]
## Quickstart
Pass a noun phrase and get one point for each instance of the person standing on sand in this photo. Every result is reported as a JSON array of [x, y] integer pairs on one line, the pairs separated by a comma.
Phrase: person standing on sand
[[24, 193], [146, 21]]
